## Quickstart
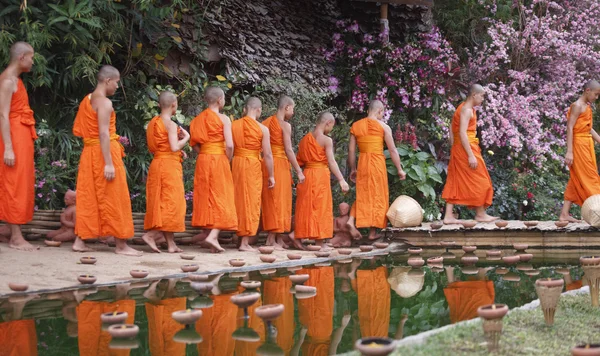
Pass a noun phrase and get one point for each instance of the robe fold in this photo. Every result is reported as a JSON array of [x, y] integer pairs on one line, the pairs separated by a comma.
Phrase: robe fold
[[216, 326], [18, 338], [466, 186], [314, 203], [103, 207], [465, 297], [214, 204], [17, 183], [374, 300], [372, 192], [162, 327], [583, 173], [247, 174], [277, 202], [277, 291], [93, 341], [165, 194]]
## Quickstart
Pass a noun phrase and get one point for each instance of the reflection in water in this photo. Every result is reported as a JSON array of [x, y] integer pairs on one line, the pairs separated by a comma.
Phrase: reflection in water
[[358, 298]]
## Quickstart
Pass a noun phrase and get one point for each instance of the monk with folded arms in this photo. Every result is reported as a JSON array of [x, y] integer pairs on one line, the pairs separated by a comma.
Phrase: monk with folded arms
[[371, 177], [468, 182], [165, 195], [17, 129], [314, 204], [103, 202], [581, 156], [249, 138], [277, 202], [214, 204]]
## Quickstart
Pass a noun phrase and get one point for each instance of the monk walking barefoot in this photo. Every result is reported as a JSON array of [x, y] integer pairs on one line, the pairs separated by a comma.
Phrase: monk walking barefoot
[[314, 204], [214, 204], [371, 177], [277, 202], [165, 194], [581, 156], [249, 137], [103, 202], [17, 129], [468, 182]]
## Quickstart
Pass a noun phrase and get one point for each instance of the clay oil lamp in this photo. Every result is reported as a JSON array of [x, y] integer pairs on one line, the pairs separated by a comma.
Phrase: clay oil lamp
[[469, 248], [520, 246], [115, 317], [86, 279], [525, 257], [268, 258], [299, 278], [190, 268], [469, 224], [344, 261], [270, 348], [435, 260], [294, 256], [532, 272], [415, 250], [294, 268], [447, 244], [18, 287], [313, 248], [561, 224], [268, 271], [187, 256], [321, 254], [344, 251], [589, 260], [305, 289], [123, 331], [269, 312], [511, 277], [245, 300], [202, 287], [186, 317], [365, 248], [51, 243], [88, 260], [493, 253], [266, 250], [245, 333], [501, 270], [470, 270], [549, 291], [448, 255], [375, 346], [586, 350], [237, 262], [469, 259], [436, 225], [501, 224], [304, 295], [199, 277], [530, 223], [381, 245], [187, 335], [250, 285], [492, 315], [437, 269], [323, 264], [511, 260], [415, 262], [123, 344], [524, 267], [493, 258], [202, 302], [138, 273]]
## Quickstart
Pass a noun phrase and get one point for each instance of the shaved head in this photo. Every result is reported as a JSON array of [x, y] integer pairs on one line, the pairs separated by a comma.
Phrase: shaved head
[[476, 89], [107, 72], [253, 103], [592, 85], [18, 49], [284, 101], [213, 94], [324, 117], [375, 105], [166, 99]]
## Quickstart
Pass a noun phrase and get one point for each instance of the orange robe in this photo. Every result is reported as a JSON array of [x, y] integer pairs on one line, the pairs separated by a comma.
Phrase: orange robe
[[18, 338], [103, 207], [93, 341], [316, 313], [277, 291], [372, 192], [277, 202], [584, 180], [465, 297], [314, 204], [246, 348], [17, 183], [466, 186], [214, 204], [165, 195], [374, 300], [162, 327], [247, 174], [216, 326]]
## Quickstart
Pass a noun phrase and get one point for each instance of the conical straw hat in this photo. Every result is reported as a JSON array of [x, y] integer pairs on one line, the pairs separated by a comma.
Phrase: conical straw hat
[[405, 212], [404, 284], [590, 211]]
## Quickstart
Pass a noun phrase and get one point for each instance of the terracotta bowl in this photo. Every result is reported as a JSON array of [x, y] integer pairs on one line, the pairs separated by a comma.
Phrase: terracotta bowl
[[299, 278], [268, 258], [520, 247], [237, 262], [492, 311], [530, 223], [86, 279], [448, 256], [123, 331], [187, 256], [251, 284], [501, 270], [415, 262], [550, 282], [381, 245], [116, 317], [493, 253], [435, 260], [414, 250], [469, 260], [511, 277], [199, 277], [436, 225], [447, 243], [18, 287], [304, 295], [268, 271], [366, 248], [246, 299], [269, 312], [469, 224], [525, 257], [511, 259], [470, 270], [294, 256], [190, 268], [305, 289], [589, 260], [586, 350], [375, 346], [532, 272], [524, 266], [501, 224], [88, 260], [202, 287], [187, 317], [51, 243], [322, 253], [493, 258], [267, 250], [561, 224], [313, 248], [469, 248], [138, 273], [344, 251]]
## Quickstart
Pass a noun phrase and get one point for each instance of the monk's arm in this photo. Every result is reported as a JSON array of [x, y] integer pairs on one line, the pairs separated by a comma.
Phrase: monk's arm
[[595, 136], [333, 166], [268, 155], [572, 120], [465, 117], [289, 151], [104, 110], [6, 93], [391, 146], [174, 142], [228, 136], [451, 137], [352, 155]]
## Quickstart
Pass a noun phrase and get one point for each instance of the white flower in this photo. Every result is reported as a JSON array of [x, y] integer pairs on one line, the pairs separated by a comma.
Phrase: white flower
[[439, 216], [524, 202], [429, 217]]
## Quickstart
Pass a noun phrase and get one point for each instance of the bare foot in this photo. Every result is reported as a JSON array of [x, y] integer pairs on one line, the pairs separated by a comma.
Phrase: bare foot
[[451, 220], [354, 231], [244, 246], [281, 242], [124, 249], [19, 243], [568, 218], [297, 243], [199, 237], [149, 240], [373, 235], [486, 218], [174, 249], [80, 246], [214, 244]]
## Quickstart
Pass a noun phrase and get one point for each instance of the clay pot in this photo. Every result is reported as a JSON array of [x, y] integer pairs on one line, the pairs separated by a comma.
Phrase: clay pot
[[202, 287], [138, 273], [416, 262], [322, 253], [268, 258], [493, 253], [415, 250], [199, 277], [520, 247], [381, 245], [246, 299], [447, 243], [267, 250], [469, 224], [501, 224], [375, 346], [435, 260], [88, 260], [313, 248], [561, 224], [190, 268], [86, 279], [365, 248], [294, 256], [123, 331], [250, 284], [18, 287], [586, 350], [511, 259], [51, 243], [589, 260], [187, 256], [344, 251], [114, 317], [187, 317], [305, 289], [269, 312], [436, 225], [469, 248], [237, 262], [530, 223], [492, 311], [525, 257], [299, 278], [469, 259], [550, 282]]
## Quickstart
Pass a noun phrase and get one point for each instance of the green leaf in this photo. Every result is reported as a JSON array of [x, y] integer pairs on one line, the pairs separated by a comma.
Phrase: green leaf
[[436, 177], [420, 172], [402, 151], [412, 174], [422, 156], [392, 170], [57, 19], [423, 189]]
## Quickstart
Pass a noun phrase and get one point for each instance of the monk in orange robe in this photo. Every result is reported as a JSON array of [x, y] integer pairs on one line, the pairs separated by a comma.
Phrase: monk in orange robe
[[371, 177], [277, 291], [581, 156], [216, 326], [249, 137], [465, 297], [18, 338], [17, 133], [374, 301], [103, 203], [277, 202], [214, 204], [165, 195], [162, 327], [468, 182], [314, 204]]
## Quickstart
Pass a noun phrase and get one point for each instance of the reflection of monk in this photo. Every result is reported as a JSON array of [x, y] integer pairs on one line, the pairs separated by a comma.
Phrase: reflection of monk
[[162, 327], [277, 291], [316, 313], [216, 326], [465, 297], [67, 220], [374, 300], [18, 338], [248, 348]]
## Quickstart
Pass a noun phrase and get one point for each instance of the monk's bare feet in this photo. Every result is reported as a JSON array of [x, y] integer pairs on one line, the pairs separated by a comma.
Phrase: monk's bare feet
[[213, 241], [80, 246], [149, 240], [353, 230], [123, 248], [451, 220], [281, 242], [272, 241], [485, 218], [297, 243], [173, 248], [196, 239], [373, 235], [568, 218], [245, 245], [21, 244]]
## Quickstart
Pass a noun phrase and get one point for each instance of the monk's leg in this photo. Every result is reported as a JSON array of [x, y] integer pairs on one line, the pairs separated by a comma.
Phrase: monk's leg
[[272, 241], [17, 241], [282, 241], [564, 213], [353, 230], [123, 248], [197, 239], [297, 243], [213, 241], [373, 234], [172, 248], [80, 246], [245, 244], [150, 238], [482, 216], [449, 216]]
